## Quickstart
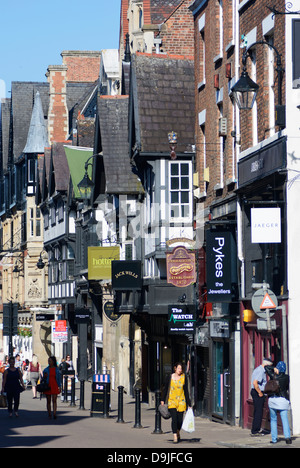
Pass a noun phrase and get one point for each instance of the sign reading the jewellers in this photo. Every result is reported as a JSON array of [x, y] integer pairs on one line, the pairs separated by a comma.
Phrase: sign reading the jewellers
[[220, 266], [126, 275], [181, 267], [181, 319]]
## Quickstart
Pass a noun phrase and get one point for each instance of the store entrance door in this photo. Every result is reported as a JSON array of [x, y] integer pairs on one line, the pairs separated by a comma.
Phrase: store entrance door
[[222, 391]]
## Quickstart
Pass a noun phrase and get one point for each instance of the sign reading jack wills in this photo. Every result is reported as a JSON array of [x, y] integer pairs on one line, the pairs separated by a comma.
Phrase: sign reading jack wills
[[126, 275], [181, 267], [220, 266]]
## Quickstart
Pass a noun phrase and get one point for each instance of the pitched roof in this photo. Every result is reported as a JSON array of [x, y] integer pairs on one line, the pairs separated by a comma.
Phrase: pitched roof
[[163, 101], [113, 121]]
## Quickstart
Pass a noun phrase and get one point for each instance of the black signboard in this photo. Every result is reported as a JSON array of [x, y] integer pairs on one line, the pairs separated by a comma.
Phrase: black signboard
[[221, 266], [126, 275], [262, 163], [44, 317], [181, 319], [82, 315]]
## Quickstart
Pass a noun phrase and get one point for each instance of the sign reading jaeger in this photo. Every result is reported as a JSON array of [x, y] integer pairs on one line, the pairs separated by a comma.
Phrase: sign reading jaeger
[[181, 270], [126, 275], [181, 319], [220, 266]]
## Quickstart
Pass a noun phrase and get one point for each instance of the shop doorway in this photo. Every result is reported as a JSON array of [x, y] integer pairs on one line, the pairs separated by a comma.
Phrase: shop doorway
[[221, 382]]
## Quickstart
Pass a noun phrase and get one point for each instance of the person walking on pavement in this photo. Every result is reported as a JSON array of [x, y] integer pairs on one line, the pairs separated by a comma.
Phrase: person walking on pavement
[[52, 376], [258, 382], [279, 402], [13, 385], [176, 396], [35, 372]]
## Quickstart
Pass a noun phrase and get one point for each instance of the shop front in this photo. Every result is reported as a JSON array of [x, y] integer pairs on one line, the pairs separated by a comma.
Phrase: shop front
[[262, 198]]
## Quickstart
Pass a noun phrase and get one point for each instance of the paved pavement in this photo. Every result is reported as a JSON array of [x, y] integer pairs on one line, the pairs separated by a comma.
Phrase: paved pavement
[[75, 428]]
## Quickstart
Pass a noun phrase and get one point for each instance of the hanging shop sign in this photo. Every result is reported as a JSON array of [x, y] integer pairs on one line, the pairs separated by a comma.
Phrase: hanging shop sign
[[265, 225], [221, 268], [82, 315], [181, 319], [99, 261], [127, 275], [109, 310], [181, 267]]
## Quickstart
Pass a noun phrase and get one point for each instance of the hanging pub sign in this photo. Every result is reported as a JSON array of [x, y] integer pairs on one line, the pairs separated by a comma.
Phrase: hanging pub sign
[[126, 275], [181, 319], [181, 267], [221, 267]]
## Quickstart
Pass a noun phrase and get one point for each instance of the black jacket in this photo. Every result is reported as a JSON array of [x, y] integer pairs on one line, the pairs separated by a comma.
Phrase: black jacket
[[282, 379], [185, 389]]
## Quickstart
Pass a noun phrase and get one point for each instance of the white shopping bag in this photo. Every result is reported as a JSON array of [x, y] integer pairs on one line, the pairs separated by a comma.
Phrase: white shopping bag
[[188, 424]]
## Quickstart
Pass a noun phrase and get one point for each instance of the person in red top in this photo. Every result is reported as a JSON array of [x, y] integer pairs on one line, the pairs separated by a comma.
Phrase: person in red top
[[52, 375]]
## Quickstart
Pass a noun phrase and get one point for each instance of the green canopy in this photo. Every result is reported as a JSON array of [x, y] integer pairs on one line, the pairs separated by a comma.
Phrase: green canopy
[[77, 156]]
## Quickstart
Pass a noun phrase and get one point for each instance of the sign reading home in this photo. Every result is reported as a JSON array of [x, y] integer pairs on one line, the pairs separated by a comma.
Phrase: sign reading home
[[181, 319], [220, 266], [126, 275], [181, 267], [265, 225]]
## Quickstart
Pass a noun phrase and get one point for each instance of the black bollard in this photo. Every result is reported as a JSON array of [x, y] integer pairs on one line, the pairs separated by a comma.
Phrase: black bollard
[[73, 392], [120, 404], [137, 409], [81, 404], [157, 429], [105, 402], [65, 388]]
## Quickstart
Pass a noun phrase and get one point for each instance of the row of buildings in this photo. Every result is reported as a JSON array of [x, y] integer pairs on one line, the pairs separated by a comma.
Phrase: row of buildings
[[149, 207]]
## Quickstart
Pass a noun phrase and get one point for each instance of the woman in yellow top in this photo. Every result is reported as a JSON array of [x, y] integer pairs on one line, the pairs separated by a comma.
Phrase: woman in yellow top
[[176, 396]]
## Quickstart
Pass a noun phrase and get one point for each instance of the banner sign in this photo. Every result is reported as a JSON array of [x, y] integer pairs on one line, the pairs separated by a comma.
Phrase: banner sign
[[127, 275], [265, 225], [221, 268], [181, 319], [181, 267]]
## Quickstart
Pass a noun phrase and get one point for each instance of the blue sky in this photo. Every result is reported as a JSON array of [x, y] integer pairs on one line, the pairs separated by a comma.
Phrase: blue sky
[[33, 33]]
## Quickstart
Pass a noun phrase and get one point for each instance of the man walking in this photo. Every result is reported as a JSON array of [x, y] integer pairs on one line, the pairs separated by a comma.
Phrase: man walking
[[258, 382]]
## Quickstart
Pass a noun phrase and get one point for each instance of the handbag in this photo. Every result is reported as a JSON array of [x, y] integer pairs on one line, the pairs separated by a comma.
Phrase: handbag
[[3, 401], [272, 387], [42, 386], [164, 411], [188, 424]]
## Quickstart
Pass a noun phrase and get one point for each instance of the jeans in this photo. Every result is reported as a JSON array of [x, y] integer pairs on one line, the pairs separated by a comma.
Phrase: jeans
[[13, 397], [285, 423]]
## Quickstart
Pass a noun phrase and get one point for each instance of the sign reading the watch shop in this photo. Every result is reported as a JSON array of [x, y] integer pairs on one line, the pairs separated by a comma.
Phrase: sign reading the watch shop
[[220, 266], [126, 275], [181, 270], [181, 319]]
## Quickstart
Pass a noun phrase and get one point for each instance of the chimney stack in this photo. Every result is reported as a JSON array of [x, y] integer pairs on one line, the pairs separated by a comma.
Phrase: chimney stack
[[58, 122]]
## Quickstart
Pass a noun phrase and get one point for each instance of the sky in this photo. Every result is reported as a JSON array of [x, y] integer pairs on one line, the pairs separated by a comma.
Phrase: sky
[[33, 33]]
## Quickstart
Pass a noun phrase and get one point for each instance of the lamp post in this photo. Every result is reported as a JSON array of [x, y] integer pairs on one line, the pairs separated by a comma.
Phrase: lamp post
[[245, 90], [86, 184]]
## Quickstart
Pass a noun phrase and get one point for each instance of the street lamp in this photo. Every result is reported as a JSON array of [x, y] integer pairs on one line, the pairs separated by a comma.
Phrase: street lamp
[[245, 90], [86, 184]]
